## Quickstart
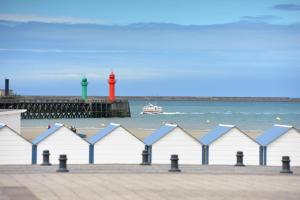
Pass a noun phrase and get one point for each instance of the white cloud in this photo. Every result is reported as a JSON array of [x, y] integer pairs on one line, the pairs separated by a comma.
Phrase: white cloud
[[47, 19]]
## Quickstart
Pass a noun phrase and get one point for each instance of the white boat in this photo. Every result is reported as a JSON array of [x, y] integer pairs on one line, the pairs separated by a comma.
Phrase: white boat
[[151, 109]]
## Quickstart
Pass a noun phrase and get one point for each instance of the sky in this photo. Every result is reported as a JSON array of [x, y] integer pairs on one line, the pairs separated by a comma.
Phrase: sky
[[165, 48]]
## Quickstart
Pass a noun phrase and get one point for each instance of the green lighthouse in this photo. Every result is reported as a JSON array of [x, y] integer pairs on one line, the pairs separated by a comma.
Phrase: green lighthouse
[[84, 84]]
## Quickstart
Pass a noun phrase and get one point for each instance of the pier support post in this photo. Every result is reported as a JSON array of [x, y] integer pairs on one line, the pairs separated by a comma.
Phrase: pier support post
[[174, 163], [46, 155], [286, 165], [239, 159], [62, 163], [145, 158]]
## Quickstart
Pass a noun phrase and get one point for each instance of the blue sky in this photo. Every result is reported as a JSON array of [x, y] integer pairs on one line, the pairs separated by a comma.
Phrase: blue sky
[[196, 12], [195, 48]]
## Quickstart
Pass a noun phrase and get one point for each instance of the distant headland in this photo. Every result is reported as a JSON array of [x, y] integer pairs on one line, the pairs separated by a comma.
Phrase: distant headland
[[160, 98]]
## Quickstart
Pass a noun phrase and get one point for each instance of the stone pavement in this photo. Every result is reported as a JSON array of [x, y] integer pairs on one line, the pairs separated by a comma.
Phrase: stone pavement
[[15, 193], [148, 182]]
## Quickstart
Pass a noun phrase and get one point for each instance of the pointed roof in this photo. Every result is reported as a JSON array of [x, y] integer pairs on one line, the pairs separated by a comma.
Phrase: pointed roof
[[216, 133], [4, 125], [159, 133], [47, 133], [11, 111], [104, 132], [275, 132]]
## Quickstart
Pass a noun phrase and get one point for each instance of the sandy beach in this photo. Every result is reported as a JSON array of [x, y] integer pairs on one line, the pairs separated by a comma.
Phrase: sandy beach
[[31, 132]]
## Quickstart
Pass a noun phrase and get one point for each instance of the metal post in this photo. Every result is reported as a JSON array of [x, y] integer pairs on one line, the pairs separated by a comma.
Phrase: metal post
[[174, 163], [62, 163], [6, 91], [46, 156], [239, 159], [145, 158], [286, 165]]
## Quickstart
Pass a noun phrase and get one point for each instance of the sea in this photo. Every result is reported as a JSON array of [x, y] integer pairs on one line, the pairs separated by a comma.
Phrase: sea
[[194, 115]]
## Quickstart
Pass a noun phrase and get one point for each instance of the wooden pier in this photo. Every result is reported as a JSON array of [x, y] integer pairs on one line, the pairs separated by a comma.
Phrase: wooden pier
[[47, 107]]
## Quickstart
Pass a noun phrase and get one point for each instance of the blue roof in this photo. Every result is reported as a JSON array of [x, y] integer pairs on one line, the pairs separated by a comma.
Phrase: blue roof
[[216, 133], [45, 134], [2, 125], [275, 132], [98, 136], [159, 133]]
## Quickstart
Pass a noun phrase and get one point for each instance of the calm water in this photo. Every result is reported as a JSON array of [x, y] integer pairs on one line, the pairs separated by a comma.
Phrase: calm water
[[197, 115]]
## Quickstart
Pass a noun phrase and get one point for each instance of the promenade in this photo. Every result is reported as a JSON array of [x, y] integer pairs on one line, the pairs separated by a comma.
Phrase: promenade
[[147, 182]]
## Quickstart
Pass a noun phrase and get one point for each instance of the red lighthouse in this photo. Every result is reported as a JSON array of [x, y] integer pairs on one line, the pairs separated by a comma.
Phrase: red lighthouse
[[112, 82]]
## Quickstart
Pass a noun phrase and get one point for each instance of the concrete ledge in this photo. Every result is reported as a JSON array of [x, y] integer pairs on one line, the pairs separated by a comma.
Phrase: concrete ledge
[[132, 169]]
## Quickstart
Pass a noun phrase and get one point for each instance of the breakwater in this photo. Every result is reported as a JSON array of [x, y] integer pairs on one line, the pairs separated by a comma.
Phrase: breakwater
[[47, 107]]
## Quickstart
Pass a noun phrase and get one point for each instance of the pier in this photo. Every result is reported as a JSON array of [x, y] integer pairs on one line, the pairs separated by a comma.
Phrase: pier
[[53, 107]]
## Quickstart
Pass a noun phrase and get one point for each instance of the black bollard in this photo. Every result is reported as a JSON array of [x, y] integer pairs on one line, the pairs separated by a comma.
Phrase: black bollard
[[145, 158], [174, 163], [62, 163], [286, 165], [46, 156], [239, 159]]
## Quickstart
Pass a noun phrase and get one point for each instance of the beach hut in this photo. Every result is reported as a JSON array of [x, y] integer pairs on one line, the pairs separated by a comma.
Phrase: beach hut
[[14, 149], [222, 143], [280, 140], [61, 140], [12, 118], [115, 144], [172, 139]]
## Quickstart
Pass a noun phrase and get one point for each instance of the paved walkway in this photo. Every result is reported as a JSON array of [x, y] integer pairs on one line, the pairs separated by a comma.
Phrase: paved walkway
[[113, 182], [15, 193]]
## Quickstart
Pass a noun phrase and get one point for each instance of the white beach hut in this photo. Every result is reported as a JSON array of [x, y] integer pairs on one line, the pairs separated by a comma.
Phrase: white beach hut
[[172, 139], [61, 140], [280, 140], [12, 118], [14, 149], [223, 142], [115, 144]]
